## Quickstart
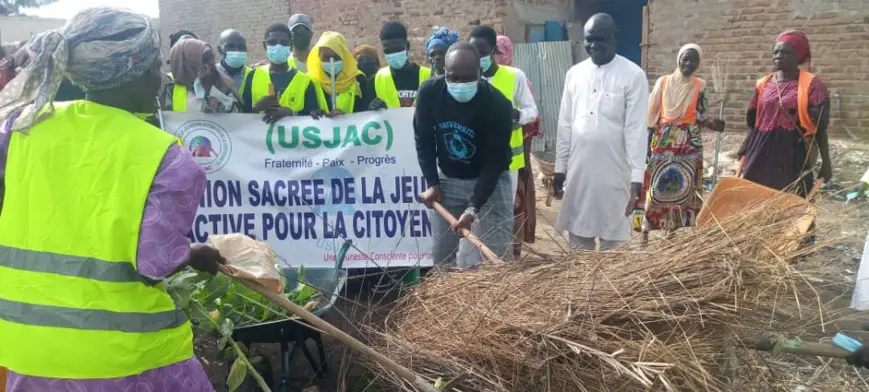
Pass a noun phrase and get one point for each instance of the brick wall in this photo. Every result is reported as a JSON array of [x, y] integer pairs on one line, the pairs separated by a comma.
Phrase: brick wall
[[360, 20], [745, 31], [207, 18]]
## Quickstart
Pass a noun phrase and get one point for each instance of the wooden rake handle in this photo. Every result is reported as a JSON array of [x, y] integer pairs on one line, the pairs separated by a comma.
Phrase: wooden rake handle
[[796, 347], [277, 299], [487, 253]]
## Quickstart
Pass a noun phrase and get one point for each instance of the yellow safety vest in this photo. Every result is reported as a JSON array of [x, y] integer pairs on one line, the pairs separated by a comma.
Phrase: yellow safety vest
[[384, 85], [247, 70], [346, 101], [72, 302], [505, 81], [179, 98], [294, 95]]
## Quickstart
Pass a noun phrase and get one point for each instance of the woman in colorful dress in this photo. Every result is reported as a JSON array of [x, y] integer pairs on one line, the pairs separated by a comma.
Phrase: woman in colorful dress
[[674, 172], [788, 118]]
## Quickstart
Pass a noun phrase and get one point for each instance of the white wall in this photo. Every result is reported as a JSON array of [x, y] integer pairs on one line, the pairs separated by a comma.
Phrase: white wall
[[21, 28]]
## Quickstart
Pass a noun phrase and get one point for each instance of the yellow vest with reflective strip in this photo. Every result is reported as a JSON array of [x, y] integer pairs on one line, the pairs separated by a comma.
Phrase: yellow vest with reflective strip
[[384, 85], [293, 96], [179, 98], [247, 70], [505, 81], [346, 101], [72, 303]]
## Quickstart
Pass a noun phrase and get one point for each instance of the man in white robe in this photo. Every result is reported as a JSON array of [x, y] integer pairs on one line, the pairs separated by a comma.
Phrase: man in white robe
[[602, 142]]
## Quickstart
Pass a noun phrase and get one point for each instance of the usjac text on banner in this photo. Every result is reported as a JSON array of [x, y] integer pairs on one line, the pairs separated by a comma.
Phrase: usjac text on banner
[[304, 185]]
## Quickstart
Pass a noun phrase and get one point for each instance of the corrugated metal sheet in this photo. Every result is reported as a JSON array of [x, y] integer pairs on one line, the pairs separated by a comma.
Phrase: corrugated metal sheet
[[545, 64]]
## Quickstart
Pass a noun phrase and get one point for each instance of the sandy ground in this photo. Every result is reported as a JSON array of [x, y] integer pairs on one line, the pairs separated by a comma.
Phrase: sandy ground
[[843, 226]]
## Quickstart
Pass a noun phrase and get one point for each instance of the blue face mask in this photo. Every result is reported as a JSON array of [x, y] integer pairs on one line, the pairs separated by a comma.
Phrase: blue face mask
[[485, 63], [397, 60], [278, 54], [339, 65], [462, 92], [235, 59]]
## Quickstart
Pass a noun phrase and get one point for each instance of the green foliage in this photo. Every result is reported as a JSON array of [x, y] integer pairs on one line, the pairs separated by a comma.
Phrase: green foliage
[[229, 304], [216, 304]]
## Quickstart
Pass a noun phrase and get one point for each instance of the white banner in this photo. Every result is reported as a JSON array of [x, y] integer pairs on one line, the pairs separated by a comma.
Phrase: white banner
[[303, 185]]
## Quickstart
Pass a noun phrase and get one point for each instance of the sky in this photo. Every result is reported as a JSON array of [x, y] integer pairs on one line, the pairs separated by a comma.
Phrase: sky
[[63, 9]]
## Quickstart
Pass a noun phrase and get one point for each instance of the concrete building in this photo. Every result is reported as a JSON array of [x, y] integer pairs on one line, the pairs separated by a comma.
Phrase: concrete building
[[21, 28], [650, 33]]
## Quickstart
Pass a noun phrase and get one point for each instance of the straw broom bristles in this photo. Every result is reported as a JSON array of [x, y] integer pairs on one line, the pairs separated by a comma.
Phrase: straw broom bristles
[[632, 320]]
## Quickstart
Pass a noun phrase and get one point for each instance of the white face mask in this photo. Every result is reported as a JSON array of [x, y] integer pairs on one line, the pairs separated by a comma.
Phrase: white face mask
[[200, 92]]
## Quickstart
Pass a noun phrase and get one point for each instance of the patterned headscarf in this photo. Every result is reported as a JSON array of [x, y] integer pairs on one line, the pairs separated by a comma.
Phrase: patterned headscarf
[[799, 42], [98, 49], [442, 37], [505, 49]]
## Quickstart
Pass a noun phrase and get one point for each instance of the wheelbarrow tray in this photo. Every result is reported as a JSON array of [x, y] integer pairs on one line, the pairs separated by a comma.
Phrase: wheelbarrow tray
[[733, 195]]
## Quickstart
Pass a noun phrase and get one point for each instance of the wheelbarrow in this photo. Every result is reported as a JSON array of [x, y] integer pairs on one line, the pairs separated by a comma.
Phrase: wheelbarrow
[[547, 172], [294, 331], [733, 195]]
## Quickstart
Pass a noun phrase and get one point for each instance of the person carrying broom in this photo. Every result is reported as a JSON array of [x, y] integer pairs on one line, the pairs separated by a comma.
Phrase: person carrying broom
[[674, 170], [96, 210]]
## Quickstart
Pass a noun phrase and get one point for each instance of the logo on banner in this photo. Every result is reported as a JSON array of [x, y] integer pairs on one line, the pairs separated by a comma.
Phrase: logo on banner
[[208, 142]]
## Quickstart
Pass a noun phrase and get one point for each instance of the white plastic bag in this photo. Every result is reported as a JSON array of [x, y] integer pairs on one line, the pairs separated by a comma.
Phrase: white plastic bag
[[252, 256]]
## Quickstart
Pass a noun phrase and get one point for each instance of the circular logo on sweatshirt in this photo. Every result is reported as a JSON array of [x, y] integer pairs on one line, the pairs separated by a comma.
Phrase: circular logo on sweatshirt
[[208, 142]]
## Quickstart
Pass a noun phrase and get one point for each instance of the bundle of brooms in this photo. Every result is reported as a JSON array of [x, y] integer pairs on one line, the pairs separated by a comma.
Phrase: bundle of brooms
[[638, 319]]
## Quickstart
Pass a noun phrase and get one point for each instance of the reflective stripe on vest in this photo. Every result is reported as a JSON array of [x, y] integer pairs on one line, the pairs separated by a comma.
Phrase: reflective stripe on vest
[[293, 96], [72, 304], [505, 81], [690, 115], [179, 98], [384, 86]]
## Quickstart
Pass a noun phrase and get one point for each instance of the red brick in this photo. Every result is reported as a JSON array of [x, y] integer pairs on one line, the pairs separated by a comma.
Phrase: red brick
[[745, 30]]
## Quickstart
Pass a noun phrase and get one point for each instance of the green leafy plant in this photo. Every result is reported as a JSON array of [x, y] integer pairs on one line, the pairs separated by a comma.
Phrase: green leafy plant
[[217, 305]]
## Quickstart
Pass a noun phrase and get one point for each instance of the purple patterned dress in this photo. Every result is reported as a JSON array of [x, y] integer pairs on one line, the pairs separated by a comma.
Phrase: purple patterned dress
[[163, 247]]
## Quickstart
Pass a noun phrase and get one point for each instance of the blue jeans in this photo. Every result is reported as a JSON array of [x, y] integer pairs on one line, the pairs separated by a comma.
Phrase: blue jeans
[[494, 225]]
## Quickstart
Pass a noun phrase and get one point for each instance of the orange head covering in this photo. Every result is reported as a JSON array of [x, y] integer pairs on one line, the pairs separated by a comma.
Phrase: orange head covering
[[799, 42]]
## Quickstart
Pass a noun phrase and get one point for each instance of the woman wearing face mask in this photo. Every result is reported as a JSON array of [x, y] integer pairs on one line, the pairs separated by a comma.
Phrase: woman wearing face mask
[[674, 172], [368, 60], [436, 48], [462, 131], [350, 89], [198, 84]]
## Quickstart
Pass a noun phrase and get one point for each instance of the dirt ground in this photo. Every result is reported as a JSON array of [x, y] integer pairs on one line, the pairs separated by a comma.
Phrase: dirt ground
[[842, 226]]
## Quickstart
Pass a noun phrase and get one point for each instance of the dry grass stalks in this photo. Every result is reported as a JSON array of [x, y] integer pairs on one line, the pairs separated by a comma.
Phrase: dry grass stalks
[[639, 319]]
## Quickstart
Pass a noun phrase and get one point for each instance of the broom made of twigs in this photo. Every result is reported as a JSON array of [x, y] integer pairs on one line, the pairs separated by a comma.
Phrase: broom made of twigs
[[720, 74]]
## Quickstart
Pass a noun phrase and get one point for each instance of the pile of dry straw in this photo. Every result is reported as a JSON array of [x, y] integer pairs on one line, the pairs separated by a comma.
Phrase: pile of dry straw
[[640, 319]]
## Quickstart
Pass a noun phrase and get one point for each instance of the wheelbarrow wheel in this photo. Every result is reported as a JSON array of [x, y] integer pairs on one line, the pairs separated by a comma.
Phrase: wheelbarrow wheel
[[264, 368]]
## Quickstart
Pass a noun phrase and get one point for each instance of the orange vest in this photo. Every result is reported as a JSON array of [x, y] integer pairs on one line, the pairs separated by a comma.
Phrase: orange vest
[[806, 122], [690, 116], [809, 126]]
